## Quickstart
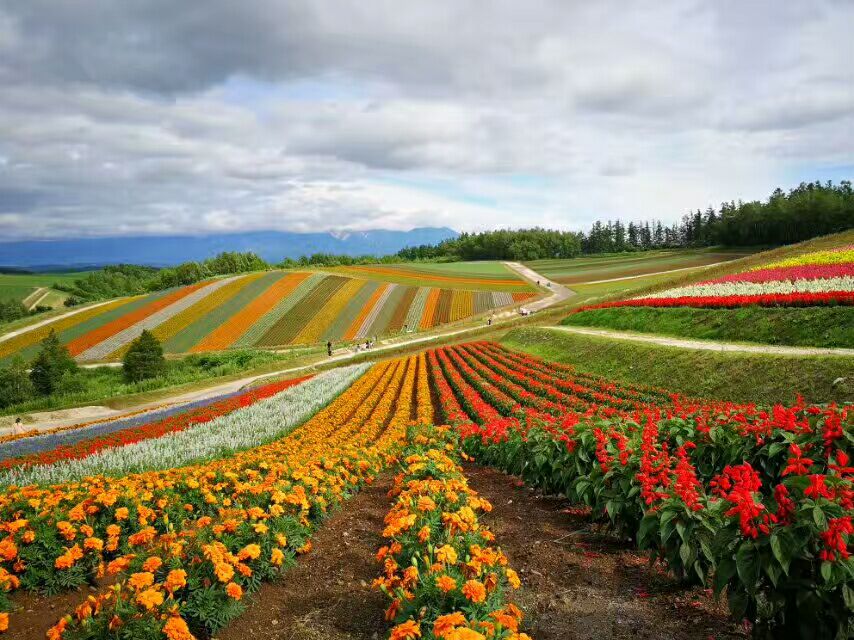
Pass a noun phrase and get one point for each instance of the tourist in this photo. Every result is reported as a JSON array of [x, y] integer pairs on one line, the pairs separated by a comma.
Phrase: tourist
[[18, 429], [329, 347]]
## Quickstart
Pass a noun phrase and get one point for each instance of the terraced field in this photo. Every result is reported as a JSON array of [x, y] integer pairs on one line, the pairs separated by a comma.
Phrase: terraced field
[[268, 309], [35, 289]]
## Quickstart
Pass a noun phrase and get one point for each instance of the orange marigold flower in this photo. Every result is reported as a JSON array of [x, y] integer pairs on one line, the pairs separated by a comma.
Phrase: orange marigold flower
[[426, 503], [56, 631], [176, 629], [446, 583], [152, 564], [4, 621], [224, 571], [464, 633], [150, 598], [250, 551], [93, 544], [406, 631], [233, 590], [474, 591], [445, 624], [141, 580], [176, 579]]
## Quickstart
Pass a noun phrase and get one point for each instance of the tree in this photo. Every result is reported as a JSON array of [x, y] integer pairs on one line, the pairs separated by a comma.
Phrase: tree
[[15, 384], [144, 359], [51, 365]]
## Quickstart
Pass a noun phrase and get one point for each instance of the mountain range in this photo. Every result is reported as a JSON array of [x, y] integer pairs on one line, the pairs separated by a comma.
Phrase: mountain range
[[161, 251]]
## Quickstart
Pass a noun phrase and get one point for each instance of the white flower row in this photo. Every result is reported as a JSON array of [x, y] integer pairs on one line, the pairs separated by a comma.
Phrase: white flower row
[[416, 309], [252, 426], [364, 330], [721, 289]]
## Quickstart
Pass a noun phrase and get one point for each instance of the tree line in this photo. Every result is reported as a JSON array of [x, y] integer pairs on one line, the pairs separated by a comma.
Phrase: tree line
[[128, 280], [809, 210]]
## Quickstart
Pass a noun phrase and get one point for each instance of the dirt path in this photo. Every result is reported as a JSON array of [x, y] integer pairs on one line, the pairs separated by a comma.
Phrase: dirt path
[[705, 345], [654, 273], [559, 291], [580, 584], [327, 595]]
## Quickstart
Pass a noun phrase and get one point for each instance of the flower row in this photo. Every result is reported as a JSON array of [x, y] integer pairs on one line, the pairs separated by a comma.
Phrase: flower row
[[441, 570], [247, 427], [67, 443], [187, 543]]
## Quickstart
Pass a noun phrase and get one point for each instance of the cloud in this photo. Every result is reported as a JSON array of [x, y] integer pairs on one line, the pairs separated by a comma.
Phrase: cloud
[[151, 116]]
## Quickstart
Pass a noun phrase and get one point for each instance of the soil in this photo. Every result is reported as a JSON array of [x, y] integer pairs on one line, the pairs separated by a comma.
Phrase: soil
[[33, 614], [580, 583], [328, 594]]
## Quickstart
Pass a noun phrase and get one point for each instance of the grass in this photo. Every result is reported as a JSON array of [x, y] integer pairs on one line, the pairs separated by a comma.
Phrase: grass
[[630, 265], [757, 378], [106, 385], [798, 326], [14, 286]]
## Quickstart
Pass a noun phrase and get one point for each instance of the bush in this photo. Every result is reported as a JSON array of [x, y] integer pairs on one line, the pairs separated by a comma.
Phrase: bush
[[144, 358], [52, 364], [15, 384]]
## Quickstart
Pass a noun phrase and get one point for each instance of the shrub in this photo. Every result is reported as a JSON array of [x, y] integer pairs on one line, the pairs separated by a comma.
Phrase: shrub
[[51, 365], [144, 359], [15, 384]]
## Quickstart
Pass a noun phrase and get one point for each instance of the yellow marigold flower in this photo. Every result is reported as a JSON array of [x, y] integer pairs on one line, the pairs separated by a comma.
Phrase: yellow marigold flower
[[406, 631], [474, 591], [234, 591], [512, 578], [250, 551], [224, 571], [150, 598], [277, 557], [141, 580], [446, 554]]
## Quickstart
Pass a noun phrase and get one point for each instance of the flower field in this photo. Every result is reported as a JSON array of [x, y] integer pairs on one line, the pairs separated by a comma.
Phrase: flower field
[[185, 514], [261, 310], [817, 278]]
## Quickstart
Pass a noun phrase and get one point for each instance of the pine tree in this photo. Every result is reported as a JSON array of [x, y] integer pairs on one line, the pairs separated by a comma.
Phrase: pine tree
[[51, 365], [144, 359]]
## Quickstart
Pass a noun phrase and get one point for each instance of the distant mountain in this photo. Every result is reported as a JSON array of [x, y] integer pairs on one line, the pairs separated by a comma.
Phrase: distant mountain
[[161, 251]]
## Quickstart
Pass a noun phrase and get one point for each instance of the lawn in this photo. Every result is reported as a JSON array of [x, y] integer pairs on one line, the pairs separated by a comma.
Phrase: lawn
[[707, 374], [591, 269]]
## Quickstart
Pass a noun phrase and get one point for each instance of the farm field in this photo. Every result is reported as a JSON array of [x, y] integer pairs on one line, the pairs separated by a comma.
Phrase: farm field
[[795, 298], [22, 287], [191, 514], [591, 269], [483, 275], [266, 310]]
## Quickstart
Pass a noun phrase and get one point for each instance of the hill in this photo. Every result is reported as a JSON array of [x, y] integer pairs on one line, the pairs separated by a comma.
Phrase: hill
[[801, 294], [272, 246], [270, 309]]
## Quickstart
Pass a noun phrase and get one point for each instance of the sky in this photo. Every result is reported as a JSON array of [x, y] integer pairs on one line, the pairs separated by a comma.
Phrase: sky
[[157, 116]]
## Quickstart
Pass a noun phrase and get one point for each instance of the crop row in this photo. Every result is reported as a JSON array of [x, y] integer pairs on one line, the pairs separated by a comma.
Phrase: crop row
[[441, 569], [186, 544], [754, 502]]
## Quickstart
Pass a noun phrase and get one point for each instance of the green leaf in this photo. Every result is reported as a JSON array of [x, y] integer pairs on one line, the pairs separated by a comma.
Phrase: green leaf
[[648, 525], [818, 516], [748, 567], [826, 571], [848, 596], [780, 553], [724, 571], [687, 553]]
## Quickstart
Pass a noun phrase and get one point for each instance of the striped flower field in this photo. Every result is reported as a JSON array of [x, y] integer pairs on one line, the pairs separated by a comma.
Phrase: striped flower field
[[269, 309], [811, 279]]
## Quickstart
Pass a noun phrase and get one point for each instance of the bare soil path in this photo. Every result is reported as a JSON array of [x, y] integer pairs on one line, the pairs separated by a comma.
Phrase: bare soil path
[[705, 345], [578, 583]]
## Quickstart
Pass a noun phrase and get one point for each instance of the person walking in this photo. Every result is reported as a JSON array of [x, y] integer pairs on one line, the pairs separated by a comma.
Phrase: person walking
[[329, 347], [18, 429]]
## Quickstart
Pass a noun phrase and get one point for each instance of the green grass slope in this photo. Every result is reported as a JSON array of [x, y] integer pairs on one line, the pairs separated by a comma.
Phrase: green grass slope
[[707, 374], [807, 326]]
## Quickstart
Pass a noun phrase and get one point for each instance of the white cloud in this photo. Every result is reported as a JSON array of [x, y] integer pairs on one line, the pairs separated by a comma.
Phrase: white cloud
[[151, 116]]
